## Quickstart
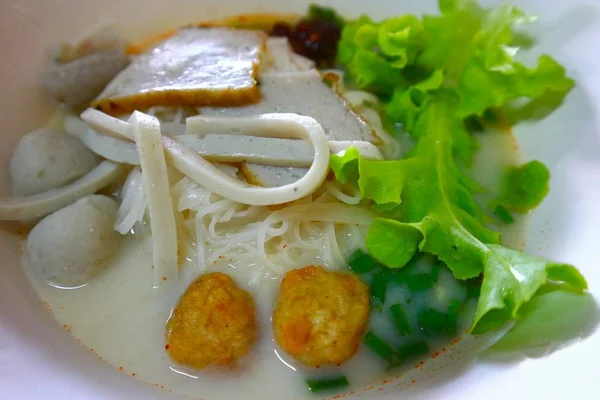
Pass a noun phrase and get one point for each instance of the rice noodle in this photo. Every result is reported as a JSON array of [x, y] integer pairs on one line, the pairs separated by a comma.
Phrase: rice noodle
[[267, 243], [133, 202], [336, 192], [146, 130]]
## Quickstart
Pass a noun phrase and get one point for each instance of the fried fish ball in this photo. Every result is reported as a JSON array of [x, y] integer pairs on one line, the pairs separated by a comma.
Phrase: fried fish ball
[[213, 324], [320, 315]]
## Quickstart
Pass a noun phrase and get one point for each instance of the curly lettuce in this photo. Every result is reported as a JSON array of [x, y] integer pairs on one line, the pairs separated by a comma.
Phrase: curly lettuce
[[433, 74], [426, 204], [472, 47], [523, 188]]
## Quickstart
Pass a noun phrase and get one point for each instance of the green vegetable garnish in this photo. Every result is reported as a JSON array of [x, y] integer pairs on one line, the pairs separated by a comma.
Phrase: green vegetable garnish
[[473, 289], [503, 214], [432, 322], [379, 346], [419, 282], [427, 195], [524, 187], [430, 199], [519, 276], [361, 263], [468, 48], [379, 288], [453, 310], [433, 74], [413, 349], [435, 270], [400, 321], [399, 276], [317, 385], [550, 318]]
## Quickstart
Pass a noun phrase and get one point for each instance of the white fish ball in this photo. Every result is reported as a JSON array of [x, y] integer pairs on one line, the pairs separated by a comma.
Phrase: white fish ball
[[72, 245], [48, 159]]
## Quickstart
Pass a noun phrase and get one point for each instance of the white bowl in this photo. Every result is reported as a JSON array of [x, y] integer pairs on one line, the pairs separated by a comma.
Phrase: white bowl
[[39, 360]]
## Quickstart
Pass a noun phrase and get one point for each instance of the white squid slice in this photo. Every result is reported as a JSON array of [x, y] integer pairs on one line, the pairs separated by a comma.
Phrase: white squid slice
[[267, 151], [112, 149], [146, 131], [289, 153], [20, 208], [190, 163]]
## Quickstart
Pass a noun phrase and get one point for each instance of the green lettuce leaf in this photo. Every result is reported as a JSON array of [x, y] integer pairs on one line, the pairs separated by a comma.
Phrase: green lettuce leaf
[[469, 46], [433, 76], [400, 39], [502, 87], [549, 318], [426, 192], [407, 104], [511, 279], [523, 188], [393, 242], [427, 207], [376, 53]]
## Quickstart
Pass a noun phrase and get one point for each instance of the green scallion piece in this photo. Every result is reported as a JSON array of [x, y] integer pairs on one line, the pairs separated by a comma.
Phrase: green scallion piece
[[432, 322], [400, 276], [435, 270], [361, 263], [474, 124], [318, 385], [379, 346], [413, 349], [419, 282], [379, 288], [503, 214], [400, 321], [453, 310], [473, 289], [413, 261]]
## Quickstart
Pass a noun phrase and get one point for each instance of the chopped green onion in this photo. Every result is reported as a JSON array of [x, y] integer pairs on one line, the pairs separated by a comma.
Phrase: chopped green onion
[[473, 289], [400, 276], [432, 322], [400, 321], [453, 310], [378, 346], [413, 349], [474, 124], [503, 215], [419, 282], [379, 288], [394, 361], [317, 385], [435, 270], [361, 263]]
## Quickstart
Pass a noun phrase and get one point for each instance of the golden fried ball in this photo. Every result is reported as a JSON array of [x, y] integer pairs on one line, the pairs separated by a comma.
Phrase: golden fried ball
[[214, 323], [320, 316]]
